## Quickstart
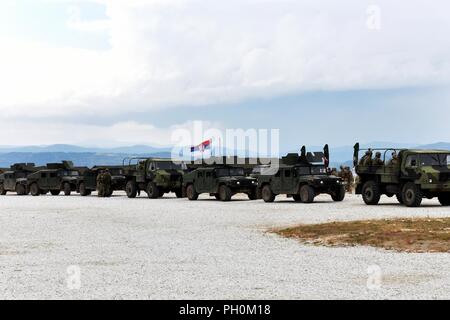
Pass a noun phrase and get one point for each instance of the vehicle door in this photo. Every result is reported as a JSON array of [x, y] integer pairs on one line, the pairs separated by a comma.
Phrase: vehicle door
[[53, 181], [10, 181], [209, 181], [411, 167], [276, 184], [287, 180], [200, 181], [43, 180]]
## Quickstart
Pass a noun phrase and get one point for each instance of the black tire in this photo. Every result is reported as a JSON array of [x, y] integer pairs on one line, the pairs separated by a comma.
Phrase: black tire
[[412, 195], [296, 197], [130, 189], [34, 190], [109, 193], [339, 194], [55, 192], [67, 189], [21, 190], [217, 196], [252, 195], [444, 199], [191, 193], [267, 194], [371, 193], [83, 190], [399, 198], [179, 193], [153, 191], [2, 190], [225, 193], [307, 194]]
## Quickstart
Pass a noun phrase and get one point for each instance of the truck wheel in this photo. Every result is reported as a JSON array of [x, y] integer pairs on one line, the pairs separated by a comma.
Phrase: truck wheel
[[179, 193], [307, 194], [21, 190], [83, 190], [152, 190], [2, 190], [339, 194], [191, 193], [131, 189], [267, 194], [412, 196], [225, 193], [399, 198], [34, 190], [371, 193], [66, 188], [55, 192], [444, 199], [296, 197]]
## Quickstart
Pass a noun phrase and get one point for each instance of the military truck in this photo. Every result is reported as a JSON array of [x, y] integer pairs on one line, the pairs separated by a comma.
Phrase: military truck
[[219, 180], [56, 177], [302, 177], [414, 175], [15, 179], [87, 182], [155, 176]]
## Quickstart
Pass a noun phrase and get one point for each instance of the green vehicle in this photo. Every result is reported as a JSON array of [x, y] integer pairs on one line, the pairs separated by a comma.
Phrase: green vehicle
[[155, 176], [87, 182], [301, 177], [220, 181], [56, 177], [411, 177], [15, 179]]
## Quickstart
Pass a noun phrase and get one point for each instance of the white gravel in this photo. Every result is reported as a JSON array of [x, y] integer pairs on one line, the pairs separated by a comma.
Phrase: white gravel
[[177, 249]]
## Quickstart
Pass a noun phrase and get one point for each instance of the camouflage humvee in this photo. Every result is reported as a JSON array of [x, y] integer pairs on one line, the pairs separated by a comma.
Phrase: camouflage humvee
[[87, 181], [155, 176], [219, 180], [416, 174], [300, 177], [56, 177], [15, 179]]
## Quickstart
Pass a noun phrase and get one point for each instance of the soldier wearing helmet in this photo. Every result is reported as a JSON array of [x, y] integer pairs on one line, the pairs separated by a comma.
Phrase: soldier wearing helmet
[[367, 159], [377, 161]]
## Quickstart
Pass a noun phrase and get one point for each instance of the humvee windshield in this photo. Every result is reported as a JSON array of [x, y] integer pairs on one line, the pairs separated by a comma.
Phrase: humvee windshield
[[442, 160], [226, 172], [168, 166], [318, 170], [70, 173]]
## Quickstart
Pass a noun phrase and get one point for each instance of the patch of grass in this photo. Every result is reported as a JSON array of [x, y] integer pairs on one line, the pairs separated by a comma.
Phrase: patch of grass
[[408, 235]]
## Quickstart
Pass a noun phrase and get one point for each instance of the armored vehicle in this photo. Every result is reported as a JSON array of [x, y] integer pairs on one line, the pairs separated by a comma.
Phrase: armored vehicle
[[87, 181], [300, 177], [411, 175], [56, 177], [155, 176], [15, 179], [221, 181]]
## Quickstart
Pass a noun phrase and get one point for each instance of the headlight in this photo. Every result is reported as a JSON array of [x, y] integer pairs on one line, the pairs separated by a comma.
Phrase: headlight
[[238, 182], [431, 180], [321, 182], [253, 182]]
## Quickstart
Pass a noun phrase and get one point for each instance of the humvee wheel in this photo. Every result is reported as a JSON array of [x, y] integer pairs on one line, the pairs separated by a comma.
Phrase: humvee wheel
[[296, 197], [55, 192], [66, 188], [131, 189], [444, 199], [267, 194], [371, 193], [191, 193], [179, 193], [2, 190], [307, 194], [339, 194], [21, 190], [83, 190], [412, 196], [152, 190], [225, 193], [252, 195], [399, 198], [34, 190]]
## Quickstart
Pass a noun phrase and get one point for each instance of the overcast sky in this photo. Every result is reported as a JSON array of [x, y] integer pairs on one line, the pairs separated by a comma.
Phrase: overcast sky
[[113, 72]]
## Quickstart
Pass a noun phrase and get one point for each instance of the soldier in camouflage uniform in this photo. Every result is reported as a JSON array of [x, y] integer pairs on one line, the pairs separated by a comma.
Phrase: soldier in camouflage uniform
[[349, 179], [101, 184], [377, 161], [367, 159], [107, 183], [394, 160]]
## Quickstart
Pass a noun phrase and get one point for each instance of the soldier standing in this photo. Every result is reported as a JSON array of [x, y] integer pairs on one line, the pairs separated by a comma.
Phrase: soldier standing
[[349, 179], [394, 160], [367, 159], [101, 184], [377, 161], [107, 183]]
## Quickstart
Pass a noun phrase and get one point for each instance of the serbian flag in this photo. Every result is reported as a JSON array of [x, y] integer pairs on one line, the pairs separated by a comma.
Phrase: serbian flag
[[202, 146]]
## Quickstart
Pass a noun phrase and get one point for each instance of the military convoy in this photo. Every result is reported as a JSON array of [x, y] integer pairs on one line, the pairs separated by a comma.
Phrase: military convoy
[[302, 177], [410, 175], [153, 176]]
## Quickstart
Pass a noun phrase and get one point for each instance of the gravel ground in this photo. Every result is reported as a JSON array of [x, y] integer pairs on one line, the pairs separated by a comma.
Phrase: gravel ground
[[177, 249]]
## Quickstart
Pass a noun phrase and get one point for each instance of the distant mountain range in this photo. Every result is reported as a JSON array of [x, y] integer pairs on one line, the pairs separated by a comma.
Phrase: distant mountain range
[[90, 156]]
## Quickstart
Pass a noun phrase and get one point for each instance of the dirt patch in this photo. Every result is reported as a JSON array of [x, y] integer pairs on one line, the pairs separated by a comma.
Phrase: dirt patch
[[407, 235]]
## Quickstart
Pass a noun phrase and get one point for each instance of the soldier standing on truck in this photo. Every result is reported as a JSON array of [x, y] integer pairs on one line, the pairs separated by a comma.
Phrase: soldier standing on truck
[[394, 160], [377, 161], [367, 159], [101, 184]]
